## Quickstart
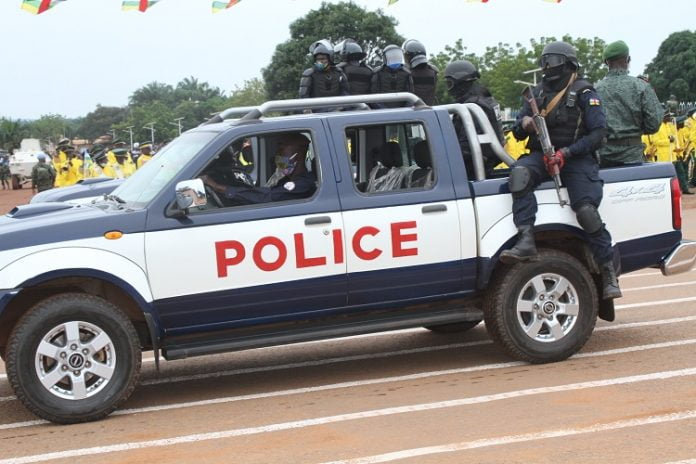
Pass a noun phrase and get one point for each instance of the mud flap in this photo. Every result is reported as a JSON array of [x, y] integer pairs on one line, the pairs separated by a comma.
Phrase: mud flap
[[606, 310]]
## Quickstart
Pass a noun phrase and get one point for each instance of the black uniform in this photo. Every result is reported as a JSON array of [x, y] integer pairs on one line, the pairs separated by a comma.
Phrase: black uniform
[[482, 97], [359, 77], [387, 80], [288, 188], [329, 83], [424, 82], [579, 124]]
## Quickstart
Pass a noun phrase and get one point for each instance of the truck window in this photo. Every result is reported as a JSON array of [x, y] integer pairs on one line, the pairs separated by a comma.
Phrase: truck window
[[390, 157], [265, 168]]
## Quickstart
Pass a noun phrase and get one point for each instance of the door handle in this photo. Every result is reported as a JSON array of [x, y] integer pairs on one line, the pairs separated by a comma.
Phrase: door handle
[[317, 220], [434, 209]]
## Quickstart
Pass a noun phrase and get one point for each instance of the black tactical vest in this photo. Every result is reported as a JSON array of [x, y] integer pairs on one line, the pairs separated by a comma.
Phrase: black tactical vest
[[359, 78], [424, 82], [326, 84], [393, 81], [565, 122]]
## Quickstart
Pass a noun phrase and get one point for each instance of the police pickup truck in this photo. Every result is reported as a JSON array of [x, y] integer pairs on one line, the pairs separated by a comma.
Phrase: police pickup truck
[[390, 233]]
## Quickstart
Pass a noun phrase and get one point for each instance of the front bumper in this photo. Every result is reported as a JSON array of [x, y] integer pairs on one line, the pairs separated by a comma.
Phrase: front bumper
[[681, 259]]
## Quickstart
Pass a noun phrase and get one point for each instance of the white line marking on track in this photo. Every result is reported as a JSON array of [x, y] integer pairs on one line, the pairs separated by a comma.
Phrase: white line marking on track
[[413, 408], [361, 383], [511, 439], [656, 303], [654, 287]]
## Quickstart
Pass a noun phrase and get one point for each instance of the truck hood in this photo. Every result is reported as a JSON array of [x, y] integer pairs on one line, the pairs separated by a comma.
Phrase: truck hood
[[44, 223]]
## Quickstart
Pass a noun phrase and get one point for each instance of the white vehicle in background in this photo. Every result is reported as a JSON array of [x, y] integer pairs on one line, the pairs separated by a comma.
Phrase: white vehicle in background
[[22, 162]]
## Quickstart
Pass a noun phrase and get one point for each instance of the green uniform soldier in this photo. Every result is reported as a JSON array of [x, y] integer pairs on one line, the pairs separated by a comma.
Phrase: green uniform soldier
[[42, 175], [4, 173], [632, 109]]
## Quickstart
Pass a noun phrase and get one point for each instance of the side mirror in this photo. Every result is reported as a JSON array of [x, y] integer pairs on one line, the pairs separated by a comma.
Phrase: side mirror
[[190, 193]]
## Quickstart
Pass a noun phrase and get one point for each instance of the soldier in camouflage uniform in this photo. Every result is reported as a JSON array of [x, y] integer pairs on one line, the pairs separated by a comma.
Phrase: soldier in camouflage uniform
[[631, 106], [42, 175]]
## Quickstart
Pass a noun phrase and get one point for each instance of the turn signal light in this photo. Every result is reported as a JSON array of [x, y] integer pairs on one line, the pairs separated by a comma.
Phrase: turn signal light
[[113, 235]]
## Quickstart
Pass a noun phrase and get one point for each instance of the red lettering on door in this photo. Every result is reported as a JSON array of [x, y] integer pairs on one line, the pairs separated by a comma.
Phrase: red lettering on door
[[357, 246], [398, 238], [300, 257], [338, 246], [274, 265], [223, 261]]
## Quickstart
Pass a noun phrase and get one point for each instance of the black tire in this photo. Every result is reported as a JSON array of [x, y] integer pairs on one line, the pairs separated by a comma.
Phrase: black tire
[[48, 317], [456, 327], [513, 293]]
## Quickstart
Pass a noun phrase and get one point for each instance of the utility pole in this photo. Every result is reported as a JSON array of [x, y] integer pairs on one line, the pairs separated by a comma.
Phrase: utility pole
[[113, 134], [151, 128], [177, 123], [130, 132]]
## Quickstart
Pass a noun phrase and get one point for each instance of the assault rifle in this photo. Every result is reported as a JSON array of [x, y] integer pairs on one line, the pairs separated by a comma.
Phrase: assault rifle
[[546, 146]]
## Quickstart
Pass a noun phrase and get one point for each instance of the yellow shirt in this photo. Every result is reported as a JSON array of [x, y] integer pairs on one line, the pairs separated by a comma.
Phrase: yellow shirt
[[662, 145], [142, 159]]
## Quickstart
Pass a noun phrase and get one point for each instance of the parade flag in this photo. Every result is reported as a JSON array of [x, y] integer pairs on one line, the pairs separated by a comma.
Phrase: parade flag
[[140, 5], [391, 2], [218, 6], [553, 1], [477, 1], [39, 6]]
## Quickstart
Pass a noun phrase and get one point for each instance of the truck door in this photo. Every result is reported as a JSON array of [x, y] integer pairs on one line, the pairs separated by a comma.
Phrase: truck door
[[400, 216], [248, 258]]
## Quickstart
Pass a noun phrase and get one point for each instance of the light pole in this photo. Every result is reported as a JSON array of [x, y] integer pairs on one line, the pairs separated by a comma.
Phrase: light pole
[[151, 128], [130, 132], [113, 134], [177, 123]]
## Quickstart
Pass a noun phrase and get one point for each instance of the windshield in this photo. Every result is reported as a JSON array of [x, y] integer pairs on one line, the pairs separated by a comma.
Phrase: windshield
[[150, 179]]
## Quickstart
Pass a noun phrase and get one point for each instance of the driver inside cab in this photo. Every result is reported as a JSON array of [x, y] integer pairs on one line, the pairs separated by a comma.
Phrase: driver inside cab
[[293, 179]]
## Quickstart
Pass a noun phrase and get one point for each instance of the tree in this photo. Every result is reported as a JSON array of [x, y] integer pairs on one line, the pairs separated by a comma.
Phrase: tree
[[50, 127], [252, 93], [673, 70], [101, 120], [152, 92], [11, 133], [192, 90], [335, 22]]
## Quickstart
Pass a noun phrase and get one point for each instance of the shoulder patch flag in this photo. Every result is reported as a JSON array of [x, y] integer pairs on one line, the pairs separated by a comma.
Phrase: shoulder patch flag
[[595, 102]]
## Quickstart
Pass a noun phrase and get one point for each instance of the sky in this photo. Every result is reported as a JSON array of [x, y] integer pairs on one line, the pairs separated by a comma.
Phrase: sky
[[87, 52]]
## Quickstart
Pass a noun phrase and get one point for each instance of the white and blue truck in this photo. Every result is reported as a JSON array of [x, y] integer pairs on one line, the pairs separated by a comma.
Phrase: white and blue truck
[[396, 234]]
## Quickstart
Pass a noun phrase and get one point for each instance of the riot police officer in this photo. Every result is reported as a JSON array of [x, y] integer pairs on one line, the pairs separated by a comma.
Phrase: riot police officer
[[323, 79], [461, 78], [392, 76], [359, 74], [577, 125], [424, 74]]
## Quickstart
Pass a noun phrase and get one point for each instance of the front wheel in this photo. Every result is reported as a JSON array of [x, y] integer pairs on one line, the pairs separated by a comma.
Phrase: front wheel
[[542, 311], [73, 358]]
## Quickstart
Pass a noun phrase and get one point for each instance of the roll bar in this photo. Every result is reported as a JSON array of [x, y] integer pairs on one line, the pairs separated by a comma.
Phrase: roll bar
[[469, 112]]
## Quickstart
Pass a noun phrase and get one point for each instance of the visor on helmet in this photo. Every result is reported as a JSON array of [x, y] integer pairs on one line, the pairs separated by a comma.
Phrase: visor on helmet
[[551, 61], [394, 56]]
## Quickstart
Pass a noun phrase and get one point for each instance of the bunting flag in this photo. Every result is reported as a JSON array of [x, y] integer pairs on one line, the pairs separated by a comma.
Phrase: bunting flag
[[39, 6], [391, 2], [218, 6], [140, 5]]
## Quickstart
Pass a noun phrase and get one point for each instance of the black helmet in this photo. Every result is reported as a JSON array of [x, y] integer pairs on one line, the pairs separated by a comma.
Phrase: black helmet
[[322, 47], [461, 71], [415, 52], [353, 52], [557, 54]]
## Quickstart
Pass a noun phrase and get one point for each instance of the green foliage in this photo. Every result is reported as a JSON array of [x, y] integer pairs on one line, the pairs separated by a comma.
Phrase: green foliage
[[100, 121], [50, 127], [11, 133], [673, 70], [252, 93], [373, 30], [502, 64]]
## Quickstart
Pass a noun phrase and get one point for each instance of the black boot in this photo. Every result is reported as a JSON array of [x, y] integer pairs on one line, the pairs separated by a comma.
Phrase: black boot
[[524, 249], [610, 284]]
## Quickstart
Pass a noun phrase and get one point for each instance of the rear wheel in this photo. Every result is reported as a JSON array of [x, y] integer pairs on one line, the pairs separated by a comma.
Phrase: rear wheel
[[542, 311], [73, 358]]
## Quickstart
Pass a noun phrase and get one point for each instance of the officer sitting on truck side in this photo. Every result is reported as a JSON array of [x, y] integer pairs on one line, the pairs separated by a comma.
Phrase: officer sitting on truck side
[[294, 181], [577, 124]]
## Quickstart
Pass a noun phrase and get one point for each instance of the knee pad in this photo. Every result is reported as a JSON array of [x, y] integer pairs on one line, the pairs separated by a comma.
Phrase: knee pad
[[520, 181], [589, 218]]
